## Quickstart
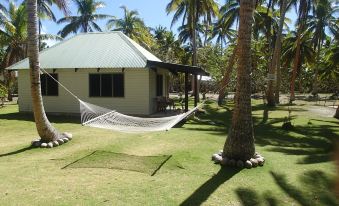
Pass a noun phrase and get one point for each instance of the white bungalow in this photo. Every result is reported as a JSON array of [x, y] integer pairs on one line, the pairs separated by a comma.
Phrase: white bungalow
[[106, 69]]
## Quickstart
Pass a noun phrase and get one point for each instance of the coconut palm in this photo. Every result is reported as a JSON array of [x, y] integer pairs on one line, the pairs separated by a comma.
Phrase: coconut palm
[[44, 12], [86, 19], [13, 35], [167, 45], [292, 44], [322, 19], [186, 37], [272, 92], [239, 144], [3, 12], [191, 11], [45, 130], [303, 11], [132, 26], [229, 15], [223, 33]]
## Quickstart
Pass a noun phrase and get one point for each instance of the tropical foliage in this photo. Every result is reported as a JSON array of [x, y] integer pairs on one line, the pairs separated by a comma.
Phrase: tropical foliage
[[86, 19], [133, 26], [266, 53]]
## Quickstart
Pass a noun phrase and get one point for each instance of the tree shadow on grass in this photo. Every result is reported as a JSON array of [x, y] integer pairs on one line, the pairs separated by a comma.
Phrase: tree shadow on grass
[[17, 151], [204, 191], [29, 117], [312, 188], [313, 143], [316, 188], [249, 197]]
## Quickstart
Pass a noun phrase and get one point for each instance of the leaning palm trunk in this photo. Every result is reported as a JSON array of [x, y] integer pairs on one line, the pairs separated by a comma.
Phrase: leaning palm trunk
[[45, 130], [227, 76], [276, 58], [240, 142]]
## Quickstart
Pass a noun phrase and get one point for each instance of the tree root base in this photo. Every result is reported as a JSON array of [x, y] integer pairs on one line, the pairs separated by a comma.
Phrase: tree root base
[[65, 137], [255, 161]]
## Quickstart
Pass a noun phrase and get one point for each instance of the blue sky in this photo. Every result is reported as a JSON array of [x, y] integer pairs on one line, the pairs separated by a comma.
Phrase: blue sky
[[151, 11]]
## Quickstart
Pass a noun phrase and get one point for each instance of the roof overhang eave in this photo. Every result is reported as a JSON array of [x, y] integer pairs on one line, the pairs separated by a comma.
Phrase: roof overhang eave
[[175, 68]]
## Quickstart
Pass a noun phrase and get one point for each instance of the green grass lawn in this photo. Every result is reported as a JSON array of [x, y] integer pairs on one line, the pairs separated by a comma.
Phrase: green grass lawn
[[298, 168]]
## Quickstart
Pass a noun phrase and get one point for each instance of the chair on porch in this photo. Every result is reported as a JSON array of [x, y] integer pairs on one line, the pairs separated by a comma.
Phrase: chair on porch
[[163, 102]]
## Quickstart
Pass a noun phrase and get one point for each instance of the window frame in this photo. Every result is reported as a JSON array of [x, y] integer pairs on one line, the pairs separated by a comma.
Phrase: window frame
[[111, 74]]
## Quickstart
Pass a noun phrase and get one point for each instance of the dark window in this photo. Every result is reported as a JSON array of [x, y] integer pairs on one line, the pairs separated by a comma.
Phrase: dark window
[[94, 85], [118, 85], [49, 87], [159, 85], [106, 85]]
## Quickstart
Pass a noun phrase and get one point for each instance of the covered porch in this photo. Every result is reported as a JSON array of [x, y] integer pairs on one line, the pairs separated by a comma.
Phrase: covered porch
[[187, 70]]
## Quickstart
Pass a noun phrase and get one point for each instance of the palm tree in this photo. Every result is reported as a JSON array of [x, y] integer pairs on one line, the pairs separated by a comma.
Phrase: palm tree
[[222, 32], [13, 34], [44, 12], [3, 12], [13, 37], [132, 26], [45, 130], [186, 37], [191, 11], [273, 98], [293, 44], [167, 45], [229, 16], [322, 19], [303, 10], [240, 142], [86, 19]]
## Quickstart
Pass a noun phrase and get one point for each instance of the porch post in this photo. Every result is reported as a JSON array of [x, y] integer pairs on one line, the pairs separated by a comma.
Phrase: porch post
[[186, 91], [196, 94]]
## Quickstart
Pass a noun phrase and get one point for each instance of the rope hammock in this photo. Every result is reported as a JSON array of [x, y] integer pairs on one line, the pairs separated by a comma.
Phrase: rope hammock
[[100, 117]]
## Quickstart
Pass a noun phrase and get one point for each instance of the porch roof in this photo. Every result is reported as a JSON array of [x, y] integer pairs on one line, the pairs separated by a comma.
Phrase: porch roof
[[175, 68]]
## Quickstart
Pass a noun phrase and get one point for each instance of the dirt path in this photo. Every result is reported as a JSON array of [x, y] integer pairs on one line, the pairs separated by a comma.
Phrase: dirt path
[[322, 111]]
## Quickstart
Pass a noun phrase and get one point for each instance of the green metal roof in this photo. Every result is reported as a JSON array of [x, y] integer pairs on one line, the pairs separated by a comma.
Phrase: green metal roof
[[93, 50]]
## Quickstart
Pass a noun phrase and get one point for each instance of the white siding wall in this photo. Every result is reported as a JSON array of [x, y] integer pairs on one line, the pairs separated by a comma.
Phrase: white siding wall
[[136, 100]]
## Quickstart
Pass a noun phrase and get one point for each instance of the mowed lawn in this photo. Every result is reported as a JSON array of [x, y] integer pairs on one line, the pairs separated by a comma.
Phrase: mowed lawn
[[298, 168]]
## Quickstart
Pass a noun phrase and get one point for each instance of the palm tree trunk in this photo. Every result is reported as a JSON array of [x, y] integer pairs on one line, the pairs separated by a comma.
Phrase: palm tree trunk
[[316, 73], [278, 83], [336, 115], [276, 58], [194, 47], [295, 67], [45, 130], [8, 85], [40, 25], [240, 142], [227, 76]]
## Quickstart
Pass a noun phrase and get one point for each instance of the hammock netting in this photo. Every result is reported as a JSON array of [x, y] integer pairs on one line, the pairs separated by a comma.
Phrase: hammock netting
[[100, 117]]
